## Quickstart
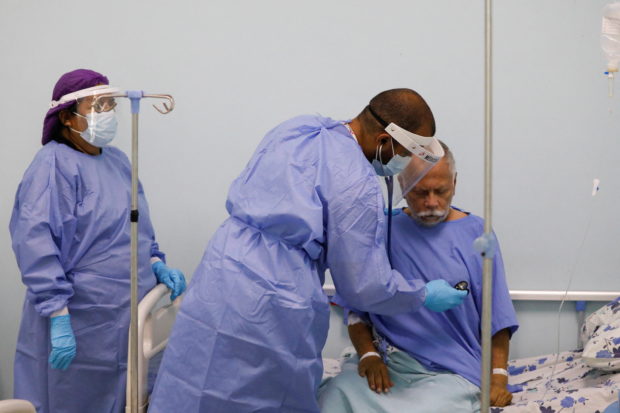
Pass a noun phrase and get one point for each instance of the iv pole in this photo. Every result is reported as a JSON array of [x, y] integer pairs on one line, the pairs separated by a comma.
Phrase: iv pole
[[486, 244], [132, 367]]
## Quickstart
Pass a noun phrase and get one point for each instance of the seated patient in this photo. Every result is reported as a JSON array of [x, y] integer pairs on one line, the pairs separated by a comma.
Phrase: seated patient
[[428, 361]]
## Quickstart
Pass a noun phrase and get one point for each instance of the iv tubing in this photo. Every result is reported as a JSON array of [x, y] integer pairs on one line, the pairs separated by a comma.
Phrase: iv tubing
[[570, 281]]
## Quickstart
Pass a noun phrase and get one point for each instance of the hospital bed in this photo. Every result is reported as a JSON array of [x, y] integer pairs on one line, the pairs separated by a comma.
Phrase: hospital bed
[[16, 406], [574, 387], [156, 316]]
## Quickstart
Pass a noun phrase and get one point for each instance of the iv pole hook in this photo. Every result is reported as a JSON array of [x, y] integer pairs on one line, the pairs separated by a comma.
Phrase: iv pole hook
[[167, 106]]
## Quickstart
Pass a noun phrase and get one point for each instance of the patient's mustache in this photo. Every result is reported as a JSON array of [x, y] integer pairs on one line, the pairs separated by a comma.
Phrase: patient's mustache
[[433, 213]]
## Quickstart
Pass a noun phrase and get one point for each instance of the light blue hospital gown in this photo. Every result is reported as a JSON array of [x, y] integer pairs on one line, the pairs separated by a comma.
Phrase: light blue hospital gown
[[431, 342], [250, 331], [71, 236]]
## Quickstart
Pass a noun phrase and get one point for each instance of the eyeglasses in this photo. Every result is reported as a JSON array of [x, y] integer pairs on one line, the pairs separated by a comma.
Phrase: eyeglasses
[[103, 104]]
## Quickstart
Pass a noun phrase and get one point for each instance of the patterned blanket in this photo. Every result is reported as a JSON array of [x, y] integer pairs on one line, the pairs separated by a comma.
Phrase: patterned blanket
[[574, 387]]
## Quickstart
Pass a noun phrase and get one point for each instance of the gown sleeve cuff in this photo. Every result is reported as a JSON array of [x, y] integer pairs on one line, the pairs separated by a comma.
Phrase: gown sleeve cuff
[[49, 307], [62, 311]]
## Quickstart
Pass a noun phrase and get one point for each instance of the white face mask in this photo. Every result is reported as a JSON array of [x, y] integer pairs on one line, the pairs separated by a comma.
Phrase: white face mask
[[101, 128]]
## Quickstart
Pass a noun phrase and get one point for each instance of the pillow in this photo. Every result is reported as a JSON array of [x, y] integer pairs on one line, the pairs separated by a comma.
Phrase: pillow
[[608, 315], [602, 351]]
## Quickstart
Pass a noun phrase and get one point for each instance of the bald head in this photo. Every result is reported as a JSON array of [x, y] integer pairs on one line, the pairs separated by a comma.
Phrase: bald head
[[404, 107]]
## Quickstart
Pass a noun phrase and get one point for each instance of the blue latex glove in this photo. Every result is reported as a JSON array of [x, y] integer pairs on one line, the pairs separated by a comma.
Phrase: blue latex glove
[[394, 211], [173, 279], [63, 342], [441, 296]]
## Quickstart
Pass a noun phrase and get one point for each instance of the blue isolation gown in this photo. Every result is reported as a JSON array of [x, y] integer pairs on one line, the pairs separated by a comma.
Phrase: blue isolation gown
[[252, 325], [71, 237], [444, 342]]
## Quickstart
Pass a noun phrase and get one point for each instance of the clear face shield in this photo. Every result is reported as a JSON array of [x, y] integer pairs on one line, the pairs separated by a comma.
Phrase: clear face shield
[[422, 154], [97, 112], [425, 153]]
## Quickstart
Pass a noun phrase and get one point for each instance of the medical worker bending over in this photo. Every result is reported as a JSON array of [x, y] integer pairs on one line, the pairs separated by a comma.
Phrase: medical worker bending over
[[428, 361], [249, 333], [71, 237]]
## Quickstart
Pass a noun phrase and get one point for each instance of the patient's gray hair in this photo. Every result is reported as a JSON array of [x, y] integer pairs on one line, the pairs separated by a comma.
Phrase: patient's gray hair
[[449, 157]]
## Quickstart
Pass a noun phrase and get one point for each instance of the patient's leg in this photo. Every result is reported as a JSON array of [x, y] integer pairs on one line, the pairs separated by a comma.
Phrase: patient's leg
[[415, 390]]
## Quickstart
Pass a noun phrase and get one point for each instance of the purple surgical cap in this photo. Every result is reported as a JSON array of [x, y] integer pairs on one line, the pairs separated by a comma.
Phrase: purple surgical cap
[[69, 82]]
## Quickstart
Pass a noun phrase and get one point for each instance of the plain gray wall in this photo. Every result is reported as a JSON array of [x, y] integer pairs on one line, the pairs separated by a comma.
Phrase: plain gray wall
[[237, 68]]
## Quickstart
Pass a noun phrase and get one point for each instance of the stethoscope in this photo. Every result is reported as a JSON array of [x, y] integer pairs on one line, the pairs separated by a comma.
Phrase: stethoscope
[[389, 182], [463, 286]]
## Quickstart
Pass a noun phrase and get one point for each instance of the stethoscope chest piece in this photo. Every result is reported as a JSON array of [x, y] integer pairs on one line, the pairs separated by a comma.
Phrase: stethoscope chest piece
[[462, 285]]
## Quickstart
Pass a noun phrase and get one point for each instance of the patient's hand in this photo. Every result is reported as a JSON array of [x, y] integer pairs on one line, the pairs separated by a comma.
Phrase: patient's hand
[[500, 396], [376, 372]]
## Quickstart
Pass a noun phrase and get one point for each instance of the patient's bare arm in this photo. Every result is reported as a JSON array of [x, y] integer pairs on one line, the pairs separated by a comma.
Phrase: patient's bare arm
[[500, 344], [372, 367]]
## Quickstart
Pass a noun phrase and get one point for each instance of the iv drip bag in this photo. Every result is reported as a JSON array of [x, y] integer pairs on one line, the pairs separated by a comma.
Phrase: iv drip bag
[[610, 35]]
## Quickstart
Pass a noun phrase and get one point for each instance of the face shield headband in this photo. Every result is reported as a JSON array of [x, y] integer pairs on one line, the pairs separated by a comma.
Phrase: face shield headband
[[91, 91], [424, 147]]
